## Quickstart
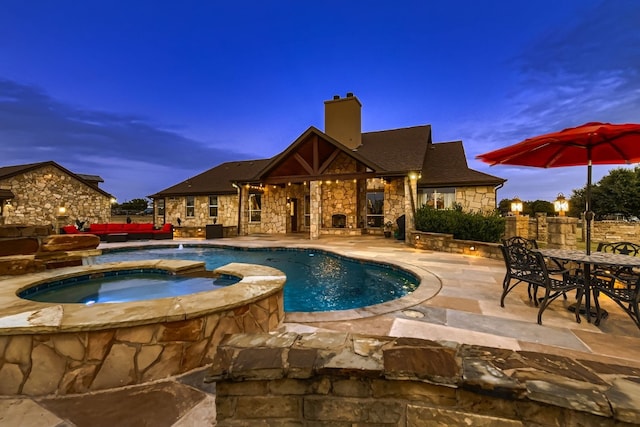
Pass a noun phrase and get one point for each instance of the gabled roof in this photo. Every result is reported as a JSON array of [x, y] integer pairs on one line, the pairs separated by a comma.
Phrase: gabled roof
[[217, 180], [397, 150], [90, 178], [10, 171], [445, 164], [301, 148]]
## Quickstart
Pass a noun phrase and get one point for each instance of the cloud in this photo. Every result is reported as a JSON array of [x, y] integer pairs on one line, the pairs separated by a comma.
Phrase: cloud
[[124, 149], [588, 71]]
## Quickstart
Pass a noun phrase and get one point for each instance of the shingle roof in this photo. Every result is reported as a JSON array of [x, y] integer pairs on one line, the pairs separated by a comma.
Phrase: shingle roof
[[217, 180], [9, 171], [397, 150], [445, 164]]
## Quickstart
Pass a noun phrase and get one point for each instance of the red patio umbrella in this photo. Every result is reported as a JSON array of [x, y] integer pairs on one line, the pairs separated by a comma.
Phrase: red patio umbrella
[[592, 143]]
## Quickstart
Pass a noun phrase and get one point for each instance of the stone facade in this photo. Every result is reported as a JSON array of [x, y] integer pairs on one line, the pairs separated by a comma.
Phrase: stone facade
[[327, 198], [333, 378], [176, 207], [476, 199], [40, 193]]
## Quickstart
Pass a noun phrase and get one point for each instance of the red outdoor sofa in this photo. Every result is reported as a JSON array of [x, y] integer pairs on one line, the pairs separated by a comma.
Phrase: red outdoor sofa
[[124, 232]]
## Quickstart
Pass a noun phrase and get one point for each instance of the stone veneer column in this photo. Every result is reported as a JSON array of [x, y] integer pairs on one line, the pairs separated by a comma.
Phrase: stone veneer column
[[562, 232], [315, 193], [517, 225], [410, 204], [243, 204]]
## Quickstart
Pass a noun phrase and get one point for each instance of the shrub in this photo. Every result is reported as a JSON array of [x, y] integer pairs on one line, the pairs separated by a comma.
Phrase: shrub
[[463, 225]]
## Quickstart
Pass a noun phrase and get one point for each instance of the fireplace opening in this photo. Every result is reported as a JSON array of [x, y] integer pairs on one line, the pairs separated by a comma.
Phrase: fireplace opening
[[338, 221]]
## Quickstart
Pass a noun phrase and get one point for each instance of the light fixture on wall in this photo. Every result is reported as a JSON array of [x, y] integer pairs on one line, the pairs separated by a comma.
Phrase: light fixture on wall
[[62, 210], [516, 206], [561, 204]]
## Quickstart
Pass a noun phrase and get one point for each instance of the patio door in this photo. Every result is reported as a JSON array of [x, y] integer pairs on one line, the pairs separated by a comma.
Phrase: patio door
[[293, 213]]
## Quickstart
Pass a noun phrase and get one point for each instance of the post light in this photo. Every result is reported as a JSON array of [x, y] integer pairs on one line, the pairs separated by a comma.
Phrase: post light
[[561, 204], [516, 206]]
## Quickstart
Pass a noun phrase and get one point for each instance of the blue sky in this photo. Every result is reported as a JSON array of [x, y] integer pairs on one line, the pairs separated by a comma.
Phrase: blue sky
[[148, 93]]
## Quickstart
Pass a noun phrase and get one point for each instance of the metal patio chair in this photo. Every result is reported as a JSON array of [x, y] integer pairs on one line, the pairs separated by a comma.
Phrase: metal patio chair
[[623, 289], [527, 265]]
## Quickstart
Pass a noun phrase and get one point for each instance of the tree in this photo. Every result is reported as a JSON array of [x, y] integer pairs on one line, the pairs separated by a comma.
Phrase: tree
[[132, 206], [538, 206], [616, 193], [528, 207]]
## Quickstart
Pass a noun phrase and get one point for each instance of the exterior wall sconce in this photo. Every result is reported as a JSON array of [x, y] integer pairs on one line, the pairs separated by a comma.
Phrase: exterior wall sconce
[[472, 248], [561, 204], [62, 210], [516, 206]]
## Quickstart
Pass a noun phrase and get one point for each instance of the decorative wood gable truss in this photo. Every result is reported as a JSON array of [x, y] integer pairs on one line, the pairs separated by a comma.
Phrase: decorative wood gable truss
[[310, 157]]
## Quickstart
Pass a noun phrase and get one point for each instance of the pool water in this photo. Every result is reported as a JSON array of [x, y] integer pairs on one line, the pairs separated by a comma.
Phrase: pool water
[[123, 286], [316, 280]]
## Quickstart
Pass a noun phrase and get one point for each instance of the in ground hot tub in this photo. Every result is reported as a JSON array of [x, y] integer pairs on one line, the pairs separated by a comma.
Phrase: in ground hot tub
[[62, 348]]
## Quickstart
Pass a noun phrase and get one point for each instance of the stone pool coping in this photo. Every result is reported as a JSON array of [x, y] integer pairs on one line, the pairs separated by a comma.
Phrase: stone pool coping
[[20, 316], [429, 283]]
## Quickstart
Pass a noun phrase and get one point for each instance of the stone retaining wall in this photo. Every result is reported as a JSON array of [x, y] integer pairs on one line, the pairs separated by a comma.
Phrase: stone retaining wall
[[342, 379], [58, 349], [613, 231], [446, 243]]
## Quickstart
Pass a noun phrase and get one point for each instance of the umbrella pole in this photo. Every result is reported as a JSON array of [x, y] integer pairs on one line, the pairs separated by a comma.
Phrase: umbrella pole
[[588, 215]]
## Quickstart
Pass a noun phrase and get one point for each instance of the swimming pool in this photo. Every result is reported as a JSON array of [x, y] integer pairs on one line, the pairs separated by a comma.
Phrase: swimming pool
[[316, 280]]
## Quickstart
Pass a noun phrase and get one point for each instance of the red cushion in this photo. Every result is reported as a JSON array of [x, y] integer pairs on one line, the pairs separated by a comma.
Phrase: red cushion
[[131, 227], [98, 227], [70, 229], [115, 228], [146, 226]]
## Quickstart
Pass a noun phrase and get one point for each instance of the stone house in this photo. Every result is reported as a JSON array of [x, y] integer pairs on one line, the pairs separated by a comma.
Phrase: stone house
[[46, 193], [337, 182]]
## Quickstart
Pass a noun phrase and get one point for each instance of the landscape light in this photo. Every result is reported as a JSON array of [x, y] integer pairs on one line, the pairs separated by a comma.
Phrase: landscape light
[[516, 206], [561, 204]]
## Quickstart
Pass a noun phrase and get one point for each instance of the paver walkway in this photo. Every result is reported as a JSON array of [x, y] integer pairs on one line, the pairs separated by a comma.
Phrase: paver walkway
[[462, 304]]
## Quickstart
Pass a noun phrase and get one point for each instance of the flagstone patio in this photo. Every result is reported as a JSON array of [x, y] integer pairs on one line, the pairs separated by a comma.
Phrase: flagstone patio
[[463, 308]]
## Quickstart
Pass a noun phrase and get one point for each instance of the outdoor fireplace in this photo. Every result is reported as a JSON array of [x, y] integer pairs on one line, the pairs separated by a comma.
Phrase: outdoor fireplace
[[338, 221]]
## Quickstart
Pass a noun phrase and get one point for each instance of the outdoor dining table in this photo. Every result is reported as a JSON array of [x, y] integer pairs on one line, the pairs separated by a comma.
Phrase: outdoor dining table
[[587, 261]]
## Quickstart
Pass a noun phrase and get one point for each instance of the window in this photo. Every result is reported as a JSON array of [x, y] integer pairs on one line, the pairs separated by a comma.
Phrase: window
[[438, 198], [160, 206], [213, 206], [375, 203], [255, 204], [307, 211], [191, 206]]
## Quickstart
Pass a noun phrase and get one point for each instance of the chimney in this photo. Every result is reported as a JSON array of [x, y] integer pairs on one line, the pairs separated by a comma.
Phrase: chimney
[[343, 120]]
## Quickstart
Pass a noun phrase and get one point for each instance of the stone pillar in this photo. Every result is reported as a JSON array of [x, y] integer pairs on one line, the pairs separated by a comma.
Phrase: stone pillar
[[562, 232], [517, 225], [243, 206], [542, 227], [315, 209], [410, 201]]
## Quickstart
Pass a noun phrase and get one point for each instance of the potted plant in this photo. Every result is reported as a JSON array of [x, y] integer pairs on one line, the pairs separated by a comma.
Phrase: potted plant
[[388, 227]]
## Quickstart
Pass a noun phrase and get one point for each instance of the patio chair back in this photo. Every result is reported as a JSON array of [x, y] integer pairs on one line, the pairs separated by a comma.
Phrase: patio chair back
[[514, 251], [624, 248]]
